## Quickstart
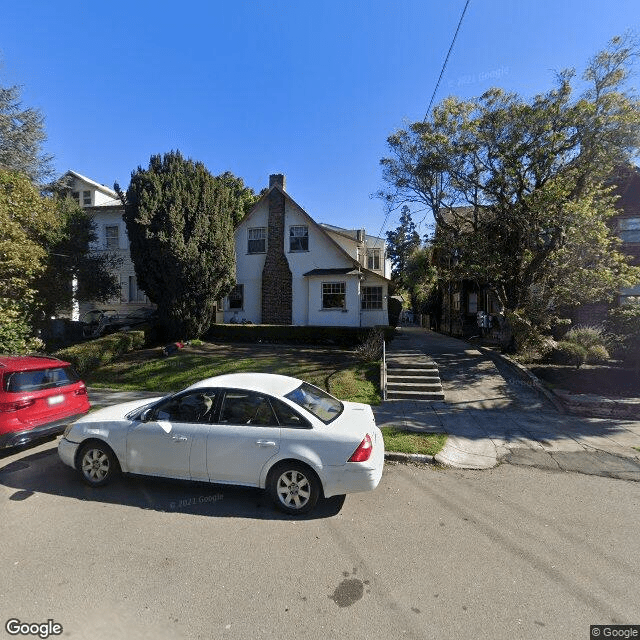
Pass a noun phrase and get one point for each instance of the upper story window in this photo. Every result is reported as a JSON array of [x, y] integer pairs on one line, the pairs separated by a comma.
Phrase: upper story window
[[257, 242], [299, 238], [76, 196], [86, 198], [373, 259], [334, 295], [629, 229], [112, 236]]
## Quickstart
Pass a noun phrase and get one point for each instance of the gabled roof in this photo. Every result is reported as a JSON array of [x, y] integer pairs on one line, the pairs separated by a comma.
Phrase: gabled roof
[[311, 221], [352, 234], [99, 187]]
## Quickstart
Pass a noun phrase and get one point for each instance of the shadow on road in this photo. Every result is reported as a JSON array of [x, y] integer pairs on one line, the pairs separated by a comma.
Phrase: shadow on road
[[43, 472]]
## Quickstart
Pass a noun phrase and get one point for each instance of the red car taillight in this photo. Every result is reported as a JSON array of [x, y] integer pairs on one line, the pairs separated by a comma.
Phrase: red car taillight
[[7, 407], [363, 452], [80, 392]]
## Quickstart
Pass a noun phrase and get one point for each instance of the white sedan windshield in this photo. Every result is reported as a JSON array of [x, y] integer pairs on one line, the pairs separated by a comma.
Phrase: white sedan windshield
[[317, 402]]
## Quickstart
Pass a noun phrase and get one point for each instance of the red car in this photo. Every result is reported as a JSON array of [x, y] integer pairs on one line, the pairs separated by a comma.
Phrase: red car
[[39, 396]]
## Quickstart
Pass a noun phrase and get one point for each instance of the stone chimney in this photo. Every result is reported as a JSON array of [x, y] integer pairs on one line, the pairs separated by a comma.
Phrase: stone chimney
[[277, 285], [278, 180]]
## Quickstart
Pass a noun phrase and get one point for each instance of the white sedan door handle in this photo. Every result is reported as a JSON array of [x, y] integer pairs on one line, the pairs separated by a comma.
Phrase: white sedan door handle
[[265, 443], [179, 438]]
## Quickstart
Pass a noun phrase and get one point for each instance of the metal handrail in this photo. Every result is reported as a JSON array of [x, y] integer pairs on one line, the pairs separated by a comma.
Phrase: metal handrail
[[383, 371]]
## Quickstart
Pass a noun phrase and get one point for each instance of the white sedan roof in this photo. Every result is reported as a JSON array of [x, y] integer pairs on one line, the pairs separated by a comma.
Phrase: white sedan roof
[[270, 383]]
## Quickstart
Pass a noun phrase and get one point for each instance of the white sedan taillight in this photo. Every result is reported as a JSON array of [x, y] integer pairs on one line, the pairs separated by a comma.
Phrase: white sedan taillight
[[363, 452]]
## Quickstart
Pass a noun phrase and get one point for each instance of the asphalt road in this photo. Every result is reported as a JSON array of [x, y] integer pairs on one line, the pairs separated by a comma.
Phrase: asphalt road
[[511, 552]]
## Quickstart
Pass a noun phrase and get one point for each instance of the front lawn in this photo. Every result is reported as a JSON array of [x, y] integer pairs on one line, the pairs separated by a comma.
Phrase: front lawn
[[335, 370]]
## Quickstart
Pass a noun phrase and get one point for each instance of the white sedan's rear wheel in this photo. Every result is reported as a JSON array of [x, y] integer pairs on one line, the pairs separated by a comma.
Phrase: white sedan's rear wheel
[[97, 463], [294, 488]]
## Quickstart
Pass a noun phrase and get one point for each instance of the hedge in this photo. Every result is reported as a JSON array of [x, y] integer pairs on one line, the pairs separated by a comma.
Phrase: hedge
[[288, 334], [94, 353]]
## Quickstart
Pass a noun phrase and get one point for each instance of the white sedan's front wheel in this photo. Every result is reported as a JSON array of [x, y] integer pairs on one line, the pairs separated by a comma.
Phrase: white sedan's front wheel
[[97, 463], [294, 488]]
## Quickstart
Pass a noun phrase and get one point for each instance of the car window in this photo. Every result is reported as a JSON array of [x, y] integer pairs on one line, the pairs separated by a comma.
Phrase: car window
[[41, 379], [319, 403], [196, 406], [287, 417], [247, 407]]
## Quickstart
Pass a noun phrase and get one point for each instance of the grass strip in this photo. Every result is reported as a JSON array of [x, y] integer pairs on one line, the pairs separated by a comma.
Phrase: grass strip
[[402, 441]]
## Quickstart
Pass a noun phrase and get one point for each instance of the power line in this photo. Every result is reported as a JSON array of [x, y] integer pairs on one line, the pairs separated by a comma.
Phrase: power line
[[444, 66]]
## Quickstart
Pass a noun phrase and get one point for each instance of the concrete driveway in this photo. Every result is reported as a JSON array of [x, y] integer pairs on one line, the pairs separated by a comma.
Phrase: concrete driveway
[[493, 415]]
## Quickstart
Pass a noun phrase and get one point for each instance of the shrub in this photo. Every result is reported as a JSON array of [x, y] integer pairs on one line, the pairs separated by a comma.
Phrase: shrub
[[597, 353], [370, 350], [580, 345], [587, 336], [623, 324], [89, 355], [569, 353], [347, 337], [525, 339], [15, 336], [559, 327]]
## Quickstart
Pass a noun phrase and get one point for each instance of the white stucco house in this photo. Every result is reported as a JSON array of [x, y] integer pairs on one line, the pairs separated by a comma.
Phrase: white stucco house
[[292, 270], [289, 269], [106, 209]]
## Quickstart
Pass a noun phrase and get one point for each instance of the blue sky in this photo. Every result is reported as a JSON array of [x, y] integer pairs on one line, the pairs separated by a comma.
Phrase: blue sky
[[308, 89]]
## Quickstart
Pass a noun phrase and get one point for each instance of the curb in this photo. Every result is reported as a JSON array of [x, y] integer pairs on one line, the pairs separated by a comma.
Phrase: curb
[[523, 372], [396, 456], [599, 406], [567, 402]]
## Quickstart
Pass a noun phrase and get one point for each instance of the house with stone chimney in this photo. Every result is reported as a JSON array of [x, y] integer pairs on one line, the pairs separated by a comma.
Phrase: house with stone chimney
[[292, 270]]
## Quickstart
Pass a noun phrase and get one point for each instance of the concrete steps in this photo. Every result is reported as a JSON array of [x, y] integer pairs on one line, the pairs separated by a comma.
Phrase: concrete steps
[[411, 375]]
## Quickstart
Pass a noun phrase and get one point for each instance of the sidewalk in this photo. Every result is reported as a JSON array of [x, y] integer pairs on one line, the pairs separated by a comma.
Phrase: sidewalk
[[491, 414]]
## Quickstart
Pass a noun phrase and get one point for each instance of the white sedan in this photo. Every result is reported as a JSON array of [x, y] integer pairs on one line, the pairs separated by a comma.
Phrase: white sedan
[[254, 429]]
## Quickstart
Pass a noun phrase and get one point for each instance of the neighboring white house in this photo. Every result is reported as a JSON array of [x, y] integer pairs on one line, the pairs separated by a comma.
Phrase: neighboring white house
[[292, 270], [106, 209]]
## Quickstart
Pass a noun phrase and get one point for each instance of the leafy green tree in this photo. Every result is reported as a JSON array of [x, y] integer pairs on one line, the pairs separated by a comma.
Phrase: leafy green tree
[[420, 278], [26, 220], [518, 187], [401, 243], [244, 197], [180, 222], [70, 259], [22, 135]]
